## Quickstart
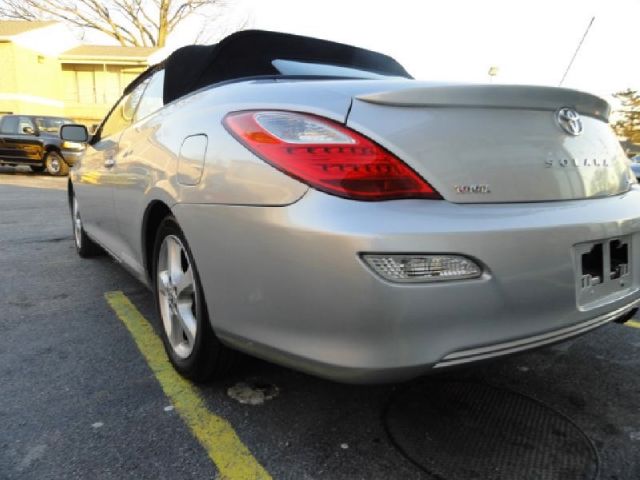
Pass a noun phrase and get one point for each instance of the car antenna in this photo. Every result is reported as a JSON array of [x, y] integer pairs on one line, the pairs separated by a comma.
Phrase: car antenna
[[575, 54]]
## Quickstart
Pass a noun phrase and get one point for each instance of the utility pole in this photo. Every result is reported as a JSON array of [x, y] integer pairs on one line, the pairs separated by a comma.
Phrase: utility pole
[[575, 54]]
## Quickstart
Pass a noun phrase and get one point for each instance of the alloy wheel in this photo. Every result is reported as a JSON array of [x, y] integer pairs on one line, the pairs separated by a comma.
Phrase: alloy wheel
[[54, 165], [177, 296], [77, 223]]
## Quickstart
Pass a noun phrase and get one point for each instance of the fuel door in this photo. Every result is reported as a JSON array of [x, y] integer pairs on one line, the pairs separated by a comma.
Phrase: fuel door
[[191, 159]]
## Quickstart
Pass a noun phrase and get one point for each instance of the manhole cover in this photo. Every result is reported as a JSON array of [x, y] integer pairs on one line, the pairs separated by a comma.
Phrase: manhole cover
[[465, 431]]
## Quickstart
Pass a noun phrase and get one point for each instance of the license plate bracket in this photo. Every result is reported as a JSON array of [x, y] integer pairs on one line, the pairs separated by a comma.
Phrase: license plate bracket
[[604, 270]]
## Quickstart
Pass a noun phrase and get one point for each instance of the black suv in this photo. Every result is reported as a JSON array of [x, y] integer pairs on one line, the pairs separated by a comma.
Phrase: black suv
[[34, 140]]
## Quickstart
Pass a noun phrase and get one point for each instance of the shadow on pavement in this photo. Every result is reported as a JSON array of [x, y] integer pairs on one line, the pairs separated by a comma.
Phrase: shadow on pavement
[[24, 177]]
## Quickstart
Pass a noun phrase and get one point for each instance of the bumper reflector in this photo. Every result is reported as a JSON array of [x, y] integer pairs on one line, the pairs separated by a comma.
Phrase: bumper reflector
[[422, 268]]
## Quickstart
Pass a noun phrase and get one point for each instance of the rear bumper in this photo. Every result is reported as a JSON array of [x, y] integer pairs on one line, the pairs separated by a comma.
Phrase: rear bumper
[[287, 283], [500, 349], [20, 161]]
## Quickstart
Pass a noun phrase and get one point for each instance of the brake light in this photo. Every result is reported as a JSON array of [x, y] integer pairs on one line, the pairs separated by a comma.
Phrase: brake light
[[327, 156]]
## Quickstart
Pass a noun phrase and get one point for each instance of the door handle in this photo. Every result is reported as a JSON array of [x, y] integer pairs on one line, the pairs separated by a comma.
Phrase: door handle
[[109, 162]]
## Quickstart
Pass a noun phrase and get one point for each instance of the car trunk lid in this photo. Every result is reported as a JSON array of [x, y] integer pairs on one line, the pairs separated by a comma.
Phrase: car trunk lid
[[497, 143]]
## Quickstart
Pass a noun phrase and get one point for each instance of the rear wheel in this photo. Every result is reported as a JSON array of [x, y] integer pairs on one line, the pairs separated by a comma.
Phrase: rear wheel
[[55, 164], [84, 245], [192, 346]]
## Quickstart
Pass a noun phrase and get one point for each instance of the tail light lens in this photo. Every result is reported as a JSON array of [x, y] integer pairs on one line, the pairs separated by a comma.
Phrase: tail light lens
[[327, 156]]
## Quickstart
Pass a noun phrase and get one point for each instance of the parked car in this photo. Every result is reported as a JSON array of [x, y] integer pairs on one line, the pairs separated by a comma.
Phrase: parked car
[[34, 140], [310, 203], [635, 166]]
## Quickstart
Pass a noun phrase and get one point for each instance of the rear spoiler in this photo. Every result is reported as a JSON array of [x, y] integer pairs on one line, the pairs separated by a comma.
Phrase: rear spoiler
[[493, 96]]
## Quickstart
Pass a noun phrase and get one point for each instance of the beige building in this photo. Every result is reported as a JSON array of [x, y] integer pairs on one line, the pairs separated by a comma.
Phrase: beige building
[[45, 71]]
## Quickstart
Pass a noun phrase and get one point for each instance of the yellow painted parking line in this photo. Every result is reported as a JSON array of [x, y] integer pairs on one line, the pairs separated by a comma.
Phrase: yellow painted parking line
[[633, 323], [232, 458]]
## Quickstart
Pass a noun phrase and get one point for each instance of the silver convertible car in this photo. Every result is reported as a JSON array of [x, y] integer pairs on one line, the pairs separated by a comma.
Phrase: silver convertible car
[[310, 203]]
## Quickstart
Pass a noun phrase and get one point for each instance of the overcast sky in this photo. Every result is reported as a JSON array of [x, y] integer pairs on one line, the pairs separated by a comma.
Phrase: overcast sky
[[530, 42]]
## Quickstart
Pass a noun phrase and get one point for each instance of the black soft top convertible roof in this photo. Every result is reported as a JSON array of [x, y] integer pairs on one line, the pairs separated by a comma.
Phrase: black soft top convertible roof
[[250, 53]]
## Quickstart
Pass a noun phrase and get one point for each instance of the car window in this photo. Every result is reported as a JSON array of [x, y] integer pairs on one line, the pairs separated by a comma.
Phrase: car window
[[15, 125], [26, 122], [152, 97], [9, 125], [122, 115], [51, 124]]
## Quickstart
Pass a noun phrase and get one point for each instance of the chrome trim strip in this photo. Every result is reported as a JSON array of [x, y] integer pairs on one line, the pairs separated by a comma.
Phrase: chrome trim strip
[[496, 350]]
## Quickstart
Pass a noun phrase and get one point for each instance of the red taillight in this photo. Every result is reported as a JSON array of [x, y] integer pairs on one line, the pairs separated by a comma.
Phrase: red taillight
[[327, 156]]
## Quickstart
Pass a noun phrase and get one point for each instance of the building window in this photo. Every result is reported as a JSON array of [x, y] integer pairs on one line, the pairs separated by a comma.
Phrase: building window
[[96, 83]]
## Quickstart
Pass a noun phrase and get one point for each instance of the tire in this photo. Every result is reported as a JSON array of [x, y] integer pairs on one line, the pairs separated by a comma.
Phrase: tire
[[85, 247], [190, 343], [55, 164], [37, 168]]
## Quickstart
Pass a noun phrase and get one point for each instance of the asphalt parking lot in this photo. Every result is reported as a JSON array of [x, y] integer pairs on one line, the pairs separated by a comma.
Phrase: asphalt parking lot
[[85, 391]]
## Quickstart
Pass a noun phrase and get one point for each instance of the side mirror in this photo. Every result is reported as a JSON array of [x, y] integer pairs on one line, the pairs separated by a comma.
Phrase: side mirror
[[74, 133], [28, 130]]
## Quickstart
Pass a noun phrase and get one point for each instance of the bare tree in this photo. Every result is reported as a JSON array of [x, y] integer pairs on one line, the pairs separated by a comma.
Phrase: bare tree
[[138, 23], [235, 19]]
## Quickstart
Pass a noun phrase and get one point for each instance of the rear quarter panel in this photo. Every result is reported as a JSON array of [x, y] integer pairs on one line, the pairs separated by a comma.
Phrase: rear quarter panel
[[148, 155], [231, 174]]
